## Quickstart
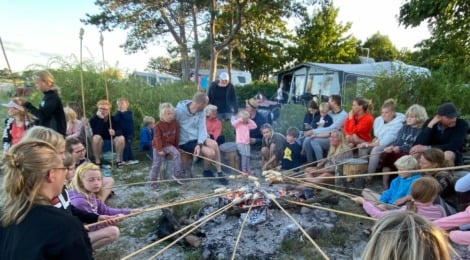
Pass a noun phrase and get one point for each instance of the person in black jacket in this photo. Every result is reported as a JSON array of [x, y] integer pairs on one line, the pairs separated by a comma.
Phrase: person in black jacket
[[104, 127], [30, 227], [444, 131], [50, 112], [221, 93]]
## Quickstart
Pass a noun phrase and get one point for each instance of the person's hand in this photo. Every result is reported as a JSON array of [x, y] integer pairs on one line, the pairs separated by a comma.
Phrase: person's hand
[[359, 200], [436, 119], [137, 210], [110, 220], [350, 114], [265, 167], [197, 150], [417, 149], [388, 149], [161, 153], [396, 149], [252, 140], [111, 132], [99, 114], [400, 201]]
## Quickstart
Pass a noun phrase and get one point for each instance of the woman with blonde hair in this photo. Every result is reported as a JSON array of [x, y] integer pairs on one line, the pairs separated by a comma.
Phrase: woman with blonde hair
[[50, 112], [18, 121], [33, 175], [407, 236]]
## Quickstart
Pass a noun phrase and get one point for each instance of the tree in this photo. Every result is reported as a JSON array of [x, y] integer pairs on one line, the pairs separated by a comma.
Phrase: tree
[[321, 39], [381, 48], [448, 48], [162, 64]]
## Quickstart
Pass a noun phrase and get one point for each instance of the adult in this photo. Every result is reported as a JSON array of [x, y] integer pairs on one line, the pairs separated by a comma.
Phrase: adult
[[221, 93], [105, 128], [16, 124], [30, 227], [319, 139], [50, 112], [358, 125], [338, 151], [444, 131], [386, 127], [415, 117], [193, 133], [78, 151], [272, 147], [407, 236], [260, 119]]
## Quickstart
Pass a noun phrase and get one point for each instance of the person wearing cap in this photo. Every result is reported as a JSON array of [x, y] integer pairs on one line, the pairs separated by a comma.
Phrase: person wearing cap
[[17, 123], [50, 112], [444, 131], [251, 105], [222, 94]]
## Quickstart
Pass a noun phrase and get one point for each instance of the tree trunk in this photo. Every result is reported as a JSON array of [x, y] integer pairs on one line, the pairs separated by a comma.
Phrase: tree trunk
[[196, 47]]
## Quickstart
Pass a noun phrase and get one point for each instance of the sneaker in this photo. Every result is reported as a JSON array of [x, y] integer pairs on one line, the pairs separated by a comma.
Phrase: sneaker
[[222, 179], [132, 162], [105, 166], [208, 174], [176, 179]]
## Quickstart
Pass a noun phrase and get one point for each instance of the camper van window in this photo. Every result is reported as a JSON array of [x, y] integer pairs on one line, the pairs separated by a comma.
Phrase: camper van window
[[241, 79]]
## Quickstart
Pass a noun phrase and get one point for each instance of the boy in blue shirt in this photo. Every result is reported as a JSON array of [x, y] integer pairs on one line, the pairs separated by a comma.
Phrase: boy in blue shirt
[[146, 136]]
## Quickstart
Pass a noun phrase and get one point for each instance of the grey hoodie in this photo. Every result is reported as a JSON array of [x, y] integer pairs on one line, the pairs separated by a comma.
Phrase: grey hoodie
[[192, 126]]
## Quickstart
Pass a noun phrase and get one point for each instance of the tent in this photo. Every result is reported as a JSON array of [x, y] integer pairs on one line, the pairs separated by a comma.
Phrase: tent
[[324, 79]]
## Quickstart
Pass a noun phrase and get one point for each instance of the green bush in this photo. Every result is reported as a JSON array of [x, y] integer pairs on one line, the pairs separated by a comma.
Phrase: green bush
[[292, 115], [268, 89]]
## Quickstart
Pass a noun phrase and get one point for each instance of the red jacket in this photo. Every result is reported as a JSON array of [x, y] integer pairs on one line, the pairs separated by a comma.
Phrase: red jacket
[[166, 134], [362, 127]]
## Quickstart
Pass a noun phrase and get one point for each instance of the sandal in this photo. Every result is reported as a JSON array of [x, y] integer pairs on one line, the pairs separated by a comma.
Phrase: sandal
[[120, 164]]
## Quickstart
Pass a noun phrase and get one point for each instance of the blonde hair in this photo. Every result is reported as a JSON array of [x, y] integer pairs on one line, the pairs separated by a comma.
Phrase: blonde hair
[[209, 108], [200, 97], [70, 114], [77, 181], [148, 120], [46, 134], [164, 107], [406, 163], [407, 236], [45, 76], [324, 107], [104, 102], [390, 104], [122, 99], [366, 104], [25, 166], [419, 112], [243, 114], [342, 147], [424, 190]]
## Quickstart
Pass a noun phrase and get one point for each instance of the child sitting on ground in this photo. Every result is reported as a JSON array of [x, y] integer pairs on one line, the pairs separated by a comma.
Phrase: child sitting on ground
[[291, 158], [165, 141], [146, 136], [86, 185], [243, 124], [400, 187], [423, 193]]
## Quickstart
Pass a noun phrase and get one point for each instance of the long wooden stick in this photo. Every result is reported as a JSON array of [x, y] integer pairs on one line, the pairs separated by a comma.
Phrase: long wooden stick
[[82, 88], [241, 229]]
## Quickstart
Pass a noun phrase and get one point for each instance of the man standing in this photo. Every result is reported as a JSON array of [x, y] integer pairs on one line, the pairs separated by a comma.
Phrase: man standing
[[444, 131], [318, 139], [193, 133], [221, 93]]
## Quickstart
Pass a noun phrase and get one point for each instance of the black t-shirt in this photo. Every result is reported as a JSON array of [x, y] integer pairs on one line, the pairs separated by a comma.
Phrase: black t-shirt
[[291, 157], [45, 233]]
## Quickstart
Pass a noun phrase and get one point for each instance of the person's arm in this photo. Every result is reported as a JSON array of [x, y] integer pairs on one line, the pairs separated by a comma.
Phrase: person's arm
[[76, 129], [425, 137], [157, 138], [202, 130], [463, 184], [84, 216], [252, 124], [457, 137], [373, 211], [51, 103], [116, 127], [217, 129], [454, 220], [233, 99], [103, 209]]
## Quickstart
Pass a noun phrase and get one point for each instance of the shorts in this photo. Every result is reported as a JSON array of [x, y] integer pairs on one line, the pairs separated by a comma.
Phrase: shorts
[[189, 146]]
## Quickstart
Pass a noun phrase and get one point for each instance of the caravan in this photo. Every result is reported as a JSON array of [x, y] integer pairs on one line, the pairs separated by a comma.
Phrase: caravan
[[238, 77]]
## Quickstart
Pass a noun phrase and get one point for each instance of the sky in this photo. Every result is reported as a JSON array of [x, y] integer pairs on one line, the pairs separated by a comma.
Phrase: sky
[[33, 31]]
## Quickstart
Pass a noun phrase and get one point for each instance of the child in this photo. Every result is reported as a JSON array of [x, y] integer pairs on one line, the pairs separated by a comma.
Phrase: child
[[125, 120], [400, 187], [292, 157], [423, 193], [214, 125], [324, 120], [243, 124], [146, 136], [74, 126], [461, 237], [165, 141], [17, 123], [86, 185]]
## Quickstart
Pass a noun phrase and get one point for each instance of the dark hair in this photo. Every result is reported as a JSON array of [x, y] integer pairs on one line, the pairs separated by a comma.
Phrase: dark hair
[[336, 98], [293, 131], [69, 142], [312, 104], [364, 103]]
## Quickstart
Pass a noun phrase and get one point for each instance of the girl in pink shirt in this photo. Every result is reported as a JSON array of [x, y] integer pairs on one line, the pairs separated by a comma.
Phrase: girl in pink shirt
[[243, 124], [423, 192], [461, 237]]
